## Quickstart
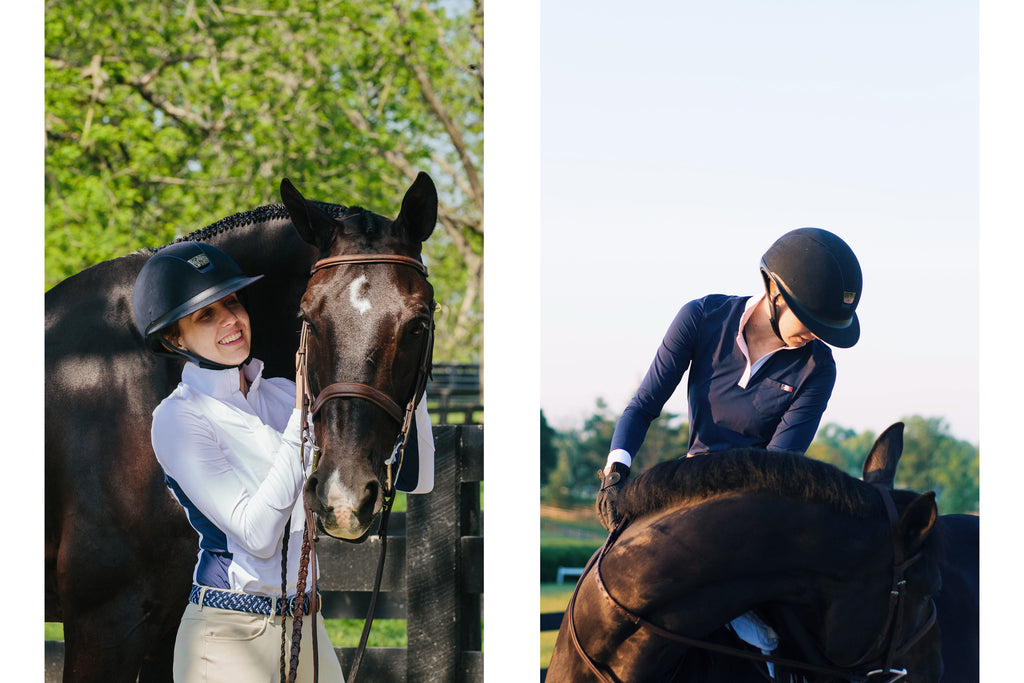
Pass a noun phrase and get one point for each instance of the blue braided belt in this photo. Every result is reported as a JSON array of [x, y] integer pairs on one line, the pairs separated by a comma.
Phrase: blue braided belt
[[244, 602]]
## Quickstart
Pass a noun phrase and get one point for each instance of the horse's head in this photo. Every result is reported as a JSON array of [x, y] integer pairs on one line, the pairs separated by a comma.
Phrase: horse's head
[[369, 310], [882, 616]]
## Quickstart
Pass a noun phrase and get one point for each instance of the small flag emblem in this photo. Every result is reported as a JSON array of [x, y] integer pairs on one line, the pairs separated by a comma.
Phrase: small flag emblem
[[787, 388]]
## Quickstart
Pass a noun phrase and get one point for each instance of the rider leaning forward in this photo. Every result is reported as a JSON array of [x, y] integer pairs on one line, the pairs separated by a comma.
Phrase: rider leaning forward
[[229, 441], [761, 371]]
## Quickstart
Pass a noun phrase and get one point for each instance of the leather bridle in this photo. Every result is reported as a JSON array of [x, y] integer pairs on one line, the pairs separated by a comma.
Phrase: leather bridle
[[311, 407], [365, 391], [858, 672]]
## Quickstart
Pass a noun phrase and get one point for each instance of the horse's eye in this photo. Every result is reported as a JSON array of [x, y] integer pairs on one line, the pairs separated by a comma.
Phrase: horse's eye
[[417, 327]]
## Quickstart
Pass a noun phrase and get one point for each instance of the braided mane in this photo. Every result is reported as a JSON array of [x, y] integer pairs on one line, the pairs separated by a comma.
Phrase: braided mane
[[691, 480], [262, 214]]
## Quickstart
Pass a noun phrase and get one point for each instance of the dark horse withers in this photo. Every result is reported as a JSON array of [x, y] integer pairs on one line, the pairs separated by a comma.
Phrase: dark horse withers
[[119, 551], [846, 578]]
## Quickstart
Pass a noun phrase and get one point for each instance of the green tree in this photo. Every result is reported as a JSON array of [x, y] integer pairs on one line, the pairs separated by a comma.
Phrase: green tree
[[934, 460], [548, 452], [842, 447], [582, 452], [163, 117], [591, 447], [667, 438]]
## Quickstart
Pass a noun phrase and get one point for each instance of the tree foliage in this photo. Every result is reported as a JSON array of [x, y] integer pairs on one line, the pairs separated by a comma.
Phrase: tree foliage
[[932, 460], [163, 117], [582, 452], [548, 452]]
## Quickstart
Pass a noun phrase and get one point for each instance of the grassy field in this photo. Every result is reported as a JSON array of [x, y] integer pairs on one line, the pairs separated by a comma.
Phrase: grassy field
[[553, 598], [577, 526]]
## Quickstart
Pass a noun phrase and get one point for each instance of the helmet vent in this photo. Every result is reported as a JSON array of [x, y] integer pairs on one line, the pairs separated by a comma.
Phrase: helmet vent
[[199, 262]]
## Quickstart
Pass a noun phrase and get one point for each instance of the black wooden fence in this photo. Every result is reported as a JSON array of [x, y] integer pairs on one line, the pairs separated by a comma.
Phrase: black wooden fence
[[455, 390], [433, 576]]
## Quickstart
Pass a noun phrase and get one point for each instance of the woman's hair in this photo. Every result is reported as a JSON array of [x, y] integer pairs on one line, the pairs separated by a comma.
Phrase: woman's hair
[[172, 331]]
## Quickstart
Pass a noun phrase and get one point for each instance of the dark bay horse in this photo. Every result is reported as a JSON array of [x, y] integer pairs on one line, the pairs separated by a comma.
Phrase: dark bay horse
[[817, 553], [958, 602], [119, 551]]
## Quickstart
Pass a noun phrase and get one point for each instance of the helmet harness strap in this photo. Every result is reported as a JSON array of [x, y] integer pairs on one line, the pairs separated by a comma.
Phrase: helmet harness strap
[[772, 290], [202, 362]]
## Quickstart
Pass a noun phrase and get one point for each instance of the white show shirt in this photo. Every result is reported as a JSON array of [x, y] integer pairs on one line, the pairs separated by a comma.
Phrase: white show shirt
[[232, 461]]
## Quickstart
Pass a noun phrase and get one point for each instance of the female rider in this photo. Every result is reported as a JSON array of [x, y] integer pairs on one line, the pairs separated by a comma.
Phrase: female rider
[[228, 440], [761, 372]]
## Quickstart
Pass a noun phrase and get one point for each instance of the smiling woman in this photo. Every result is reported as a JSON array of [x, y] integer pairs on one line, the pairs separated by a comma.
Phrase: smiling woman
[[230, 445], [219, 332]]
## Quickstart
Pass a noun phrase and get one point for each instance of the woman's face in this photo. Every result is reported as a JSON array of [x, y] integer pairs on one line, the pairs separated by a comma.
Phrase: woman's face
[[218, 332], [793, 332]]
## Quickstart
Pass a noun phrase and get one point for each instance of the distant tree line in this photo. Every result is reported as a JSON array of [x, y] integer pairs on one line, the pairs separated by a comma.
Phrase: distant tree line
[[933, 459]]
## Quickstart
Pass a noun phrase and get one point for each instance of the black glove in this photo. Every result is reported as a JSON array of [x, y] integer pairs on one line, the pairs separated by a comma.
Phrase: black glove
[[611, 485]]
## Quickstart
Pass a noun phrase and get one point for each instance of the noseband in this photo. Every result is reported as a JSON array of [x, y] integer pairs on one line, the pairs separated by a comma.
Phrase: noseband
[[890, 633]]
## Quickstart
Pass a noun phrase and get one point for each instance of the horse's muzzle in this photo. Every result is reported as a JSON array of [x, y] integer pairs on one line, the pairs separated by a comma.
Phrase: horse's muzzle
[[342, 512]]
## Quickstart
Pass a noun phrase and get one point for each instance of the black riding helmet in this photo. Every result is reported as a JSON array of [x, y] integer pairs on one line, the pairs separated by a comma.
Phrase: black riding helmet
[[177, 281], [818, 276]]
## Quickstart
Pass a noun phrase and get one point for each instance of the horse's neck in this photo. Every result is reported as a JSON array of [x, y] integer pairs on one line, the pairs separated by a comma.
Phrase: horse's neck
[[703, 566], [265, 242]]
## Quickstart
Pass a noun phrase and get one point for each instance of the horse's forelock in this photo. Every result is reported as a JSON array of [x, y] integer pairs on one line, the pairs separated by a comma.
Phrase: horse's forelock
[[691, 480], [359, 221]]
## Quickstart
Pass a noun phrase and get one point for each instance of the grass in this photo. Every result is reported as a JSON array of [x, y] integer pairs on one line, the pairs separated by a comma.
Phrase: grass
[[560, 526], [553, 598], [383, 633]]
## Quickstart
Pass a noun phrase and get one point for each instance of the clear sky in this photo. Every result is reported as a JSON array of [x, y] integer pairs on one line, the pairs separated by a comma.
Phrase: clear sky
[[678, 140]]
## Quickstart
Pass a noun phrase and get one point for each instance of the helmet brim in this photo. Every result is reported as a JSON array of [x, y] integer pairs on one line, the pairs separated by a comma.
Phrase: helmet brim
[[842, 333], [199, 301]]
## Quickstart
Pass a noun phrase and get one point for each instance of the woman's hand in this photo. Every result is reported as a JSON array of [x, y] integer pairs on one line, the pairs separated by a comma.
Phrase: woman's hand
[[612, 484]]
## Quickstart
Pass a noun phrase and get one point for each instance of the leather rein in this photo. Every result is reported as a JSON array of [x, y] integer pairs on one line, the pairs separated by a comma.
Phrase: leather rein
[[311, 407], [891, 632]]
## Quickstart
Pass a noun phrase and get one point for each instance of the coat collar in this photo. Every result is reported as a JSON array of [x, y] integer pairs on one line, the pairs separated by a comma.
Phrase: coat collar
[[221, 384]]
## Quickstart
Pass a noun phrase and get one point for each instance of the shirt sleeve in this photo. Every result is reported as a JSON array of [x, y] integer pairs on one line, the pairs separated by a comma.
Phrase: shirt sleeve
[[665, 373], [189, 453], [800, 422]]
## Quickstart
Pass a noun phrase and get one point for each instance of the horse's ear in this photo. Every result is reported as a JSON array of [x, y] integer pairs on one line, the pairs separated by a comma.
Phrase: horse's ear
[[880, 465], [917, 522], [313, 224], [419, 209]]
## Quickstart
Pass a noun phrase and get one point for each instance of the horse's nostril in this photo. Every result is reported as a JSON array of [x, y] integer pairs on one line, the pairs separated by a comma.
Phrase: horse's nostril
[[369, 499], [311, 484]]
